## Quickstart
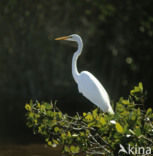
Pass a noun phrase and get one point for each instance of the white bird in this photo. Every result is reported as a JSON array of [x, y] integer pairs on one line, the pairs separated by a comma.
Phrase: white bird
[[88, 85]]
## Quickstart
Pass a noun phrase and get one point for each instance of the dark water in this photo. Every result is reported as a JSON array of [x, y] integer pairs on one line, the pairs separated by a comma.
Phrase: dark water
[[28, 150]]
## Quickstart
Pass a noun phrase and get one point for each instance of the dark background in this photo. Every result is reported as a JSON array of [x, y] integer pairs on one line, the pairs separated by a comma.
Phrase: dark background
[[118, 50]]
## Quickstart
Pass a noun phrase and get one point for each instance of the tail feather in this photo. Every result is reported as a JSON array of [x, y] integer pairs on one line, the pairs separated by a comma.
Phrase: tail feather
[[110, 110]]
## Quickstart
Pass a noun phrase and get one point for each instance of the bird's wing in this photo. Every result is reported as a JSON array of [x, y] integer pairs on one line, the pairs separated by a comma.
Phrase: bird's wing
[[91, 88]]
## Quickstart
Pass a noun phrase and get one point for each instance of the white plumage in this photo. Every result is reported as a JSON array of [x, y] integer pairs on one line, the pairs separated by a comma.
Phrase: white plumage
[[88, 85], [91, 88]]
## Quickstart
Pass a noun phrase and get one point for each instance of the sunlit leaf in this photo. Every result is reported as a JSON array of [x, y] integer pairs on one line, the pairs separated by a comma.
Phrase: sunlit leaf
[[74, 149], [102, 121], [119, 128], [149, 111], [67, 149], [141, 86]]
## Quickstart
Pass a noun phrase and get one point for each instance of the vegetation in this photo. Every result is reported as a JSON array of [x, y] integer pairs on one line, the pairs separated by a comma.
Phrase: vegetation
[[118, 50], [95, 132]]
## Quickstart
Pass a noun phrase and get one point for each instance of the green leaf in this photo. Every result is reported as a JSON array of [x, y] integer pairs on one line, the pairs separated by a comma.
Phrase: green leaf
[[60, 115], [49, 143], [74, 149], [55, 141], [49, 113], [137, 131], [137, 89], [102, 121], [89, 117], [138, 112], [66, 149], [91, 124], [42, 108], [56, 129], [141, 86], [149, 111], [94, 112], [125, 102], [119, 128], [133, 116], [63, 136], [125, 113], [28, 107], [52, 123], [84, 114], [47, 105], [69, 134]]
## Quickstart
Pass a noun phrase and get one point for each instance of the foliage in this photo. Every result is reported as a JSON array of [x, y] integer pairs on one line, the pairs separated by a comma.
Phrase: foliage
[[118, 47], [95, 132]]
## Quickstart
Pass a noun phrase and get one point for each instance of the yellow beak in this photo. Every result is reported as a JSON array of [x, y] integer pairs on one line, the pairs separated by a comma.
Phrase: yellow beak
[[62, 38]]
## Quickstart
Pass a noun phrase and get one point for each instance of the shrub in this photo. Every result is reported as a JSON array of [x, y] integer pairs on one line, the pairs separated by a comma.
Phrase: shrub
[[95, 132]]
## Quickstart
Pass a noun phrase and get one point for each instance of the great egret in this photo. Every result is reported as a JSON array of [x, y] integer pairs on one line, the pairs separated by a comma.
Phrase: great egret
[[88, 85]]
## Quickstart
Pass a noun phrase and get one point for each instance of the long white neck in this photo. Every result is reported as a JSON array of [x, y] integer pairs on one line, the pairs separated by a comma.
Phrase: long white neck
[[75, 72]]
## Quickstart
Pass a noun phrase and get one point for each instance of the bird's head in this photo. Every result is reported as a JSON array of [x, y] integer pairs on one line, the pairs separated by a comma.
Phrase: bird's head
[[73, 37]]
